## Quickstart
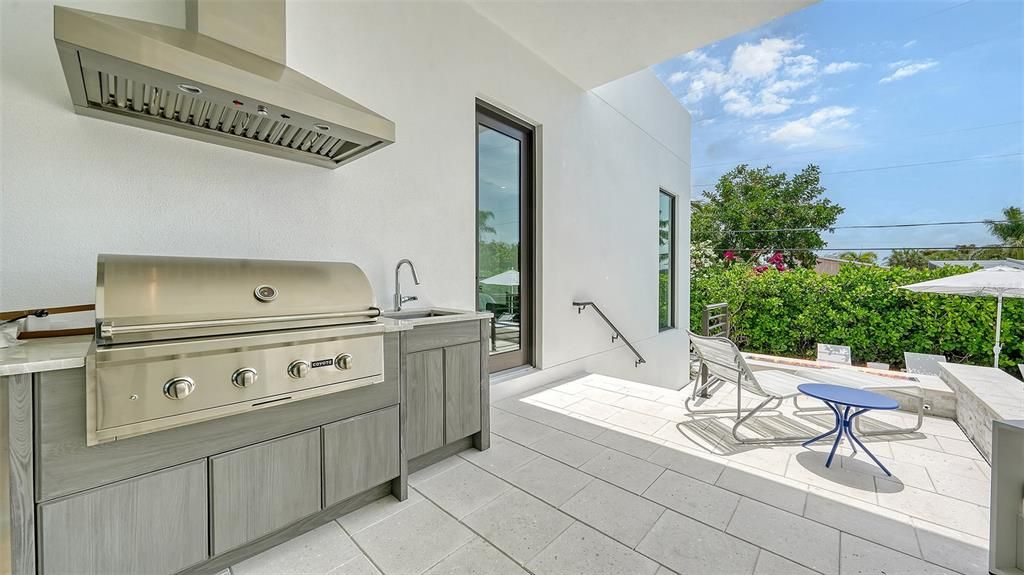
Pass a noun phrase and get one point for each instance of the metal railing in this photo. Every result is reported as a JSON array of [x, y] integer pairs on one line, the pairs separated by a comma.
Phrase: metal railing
[[582, 305], [715, 320]]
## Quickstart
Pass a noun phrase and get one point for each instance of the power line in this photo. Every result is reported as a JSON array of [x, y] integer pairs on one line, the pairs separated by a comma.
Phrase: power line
[[870, 226], [868, 249], [834, 148], [896, 166]]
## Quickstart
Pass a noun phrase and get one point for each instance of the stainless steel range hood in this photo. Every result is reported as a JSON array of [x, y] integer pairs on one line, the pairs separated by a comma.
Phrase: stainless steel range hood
[[199, 83]]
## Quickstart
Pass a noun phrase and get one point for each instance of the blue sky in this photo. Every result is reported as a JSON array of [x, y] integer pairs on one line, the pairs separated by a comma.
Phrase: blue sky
[[858, 87]]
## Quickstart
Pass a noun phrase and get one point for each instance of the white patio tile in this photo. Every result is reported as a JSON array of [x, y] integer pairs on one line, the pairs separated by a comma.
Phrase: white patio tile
[[594, 409], [435, 469], [567, 448], [572, 386], [902, 472], [771, 564], [550, 480], [614, 511], [378, 510], [683, 460], [775, 490], [693, 433], [985, 469], [626, 471], [688, 546], [600, 395], [581, 550], [598, 381], [934, 508], [518, 429], [315, 552], [462, 489], [503, 456], [937, 462], [801, 540], [864, 520], [773, 459], [553, 397], [637, 421], [389, 544], [952, 549], [862, 557], [959, 447], [557, 418], [809, 467], [973, 490], [361, 565], [477, 557], [518, 524], [627, 441], [662, 570], [693, 498]]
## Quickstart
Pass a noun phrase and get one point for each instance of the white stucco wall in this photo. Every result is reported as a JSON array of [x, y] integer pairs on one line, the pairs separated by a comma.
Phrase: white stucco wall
[[74, 186]]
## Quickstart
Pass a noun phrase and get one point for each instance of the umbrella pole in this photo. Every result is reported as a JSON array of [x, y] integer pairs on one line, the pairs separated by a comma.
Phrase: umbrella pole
[[999, 321]]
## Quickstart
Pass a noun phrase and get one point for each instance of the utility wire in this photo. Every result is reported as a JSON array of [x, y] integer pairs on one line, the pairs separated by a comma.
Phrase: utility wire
[[869, 226], [896, 166], [870, 249]]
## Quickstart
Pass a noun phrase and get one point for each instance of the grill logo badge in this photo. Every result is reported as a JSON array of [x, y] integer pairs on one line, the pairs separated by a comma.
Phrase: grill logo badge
[[321, 363]]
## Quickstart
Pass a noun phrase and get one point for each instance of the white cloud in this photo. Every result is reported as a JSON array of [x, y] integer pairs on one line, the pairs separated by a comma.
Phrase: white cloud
[[906, 69], [766, 103], [804, 130], [802, 65], [761, 59], [910, 43], [840, 67], [677, 77]]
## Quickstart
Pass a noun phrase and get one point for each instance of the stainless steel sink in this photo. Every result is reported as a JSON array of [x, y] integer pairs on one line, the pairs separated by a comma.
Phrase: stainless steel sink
[[420, 313]]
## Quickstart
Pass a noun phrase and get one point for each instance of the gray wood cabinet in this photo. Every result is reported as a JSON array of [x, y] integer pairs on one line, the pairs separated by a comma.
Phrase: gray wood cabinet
[[360, 453], [444, 385], [461, 391], [425, 401], [155, 523], [259, 489]]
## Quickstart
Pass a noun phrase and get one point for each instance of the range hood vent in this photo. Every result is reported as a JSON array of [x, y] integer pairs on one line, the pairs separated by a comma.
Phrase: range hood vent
[[193, 85]]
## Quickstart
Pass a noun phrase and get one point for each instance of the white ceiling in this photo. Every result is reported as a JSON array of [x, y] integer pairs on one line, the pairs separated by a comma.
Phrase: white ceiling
[[594, 42]]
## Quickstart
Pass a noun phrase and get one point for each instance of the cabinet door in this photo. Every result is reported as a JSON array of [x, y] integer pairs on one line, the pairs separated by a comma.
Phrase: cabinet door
[[150, 524], [261, 488], [461, 391], [425, 401], [359, 453]]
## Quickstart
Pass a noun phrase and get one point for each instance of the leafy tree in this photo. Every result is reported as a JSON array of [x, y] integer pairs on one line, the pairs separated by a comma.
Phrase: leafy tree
[[483, 222], [748, 198], [911, 259], [1010, 232], [860, 257]]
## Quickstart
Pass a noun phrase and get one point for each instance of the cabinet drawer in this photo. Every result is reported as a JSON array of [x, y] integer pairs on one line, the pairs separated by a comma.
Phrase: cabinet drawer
[[151, 524], [261, 488], [441, 335], [360, 453]]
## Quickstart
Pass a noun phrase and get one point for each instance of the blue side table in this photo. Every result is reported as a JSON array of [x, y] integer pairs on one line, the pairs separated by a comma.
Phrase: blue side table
[[841, 400]]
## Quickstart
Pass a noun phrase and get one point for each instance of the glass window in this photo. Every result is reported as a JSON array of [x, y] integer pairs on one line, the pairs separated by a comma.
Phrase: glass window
[[666, 260]]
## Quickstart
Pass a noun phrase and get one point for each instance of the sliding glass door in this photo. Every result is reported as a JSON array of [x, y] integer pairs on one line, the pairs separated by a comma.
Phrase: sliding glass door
[[504, 234]]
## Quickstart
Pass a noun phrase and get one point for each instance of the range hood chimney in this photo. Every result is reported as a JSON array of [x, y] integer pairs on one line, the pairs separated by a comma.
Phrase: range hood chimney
[[222, 80]]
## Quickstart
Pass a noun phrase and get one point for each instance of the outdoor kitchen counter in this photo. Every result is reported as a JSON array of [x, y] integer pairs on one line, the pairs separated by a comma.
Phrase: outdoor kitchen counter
[[48, 354]]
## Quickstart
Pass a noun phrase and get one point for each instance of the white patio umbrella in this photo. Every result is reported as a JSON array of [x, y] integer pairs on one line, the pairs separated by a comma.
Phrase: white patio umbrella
[[505, 278], [997, 282]]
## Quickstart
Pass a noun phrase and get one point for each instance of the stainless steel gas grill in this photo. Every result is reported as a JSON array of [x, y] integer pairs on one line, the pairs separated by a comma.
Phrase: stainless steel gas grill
[[181, 340]]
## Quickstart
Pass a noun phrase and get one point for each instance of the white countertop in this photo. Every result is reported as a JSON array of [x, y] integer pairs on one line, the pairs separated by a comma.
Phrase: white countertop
[[45, 354], [53, 353], [999, 390]]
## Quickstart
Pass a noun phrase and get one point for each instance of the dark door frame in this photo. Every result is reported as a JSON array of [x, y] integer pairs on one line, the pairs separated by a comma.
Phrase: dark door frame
[[515, 128]]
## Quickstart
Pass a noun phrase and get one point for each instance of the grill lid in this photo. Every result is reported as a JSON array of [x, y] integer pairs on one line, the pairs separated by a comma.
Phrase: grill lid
[[146, 298]]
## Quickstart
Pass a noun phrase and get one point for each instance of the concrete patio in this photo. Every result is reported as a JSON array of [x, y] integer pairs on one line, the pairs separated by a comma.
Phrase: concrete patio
[[599, 475]]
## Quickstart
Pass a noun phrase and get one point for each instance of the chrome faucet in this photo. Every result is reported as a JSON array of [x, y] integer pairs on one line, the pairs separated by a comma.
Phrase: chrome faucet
[[399, 298]]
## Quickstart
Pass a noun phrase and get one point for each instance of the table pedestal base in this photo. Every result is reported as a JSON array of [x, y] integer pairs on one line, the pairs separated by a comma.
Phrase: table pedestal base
[[844, 426]]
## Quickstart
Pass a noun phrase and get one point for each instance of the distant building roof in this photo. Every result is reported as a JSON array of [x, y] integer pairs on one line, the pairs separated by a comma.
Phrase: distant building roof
[[1009, 262]]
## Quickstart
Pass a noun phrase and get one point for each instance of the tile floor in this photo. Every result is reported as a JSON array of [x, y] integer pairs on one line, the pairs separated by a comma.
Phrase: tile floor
[[605, 476]]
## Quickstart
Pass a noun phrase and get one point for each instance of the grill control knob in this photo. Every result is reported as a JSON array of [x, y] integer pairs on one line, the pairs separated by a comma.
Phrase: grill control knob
[[244, 377], [343, 361], [179, 387], [298, 369]]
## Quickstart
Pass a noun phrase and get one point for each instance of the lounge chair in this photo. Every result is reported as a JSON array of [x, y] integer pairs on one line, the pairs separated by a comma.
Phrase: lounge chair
[[724, 363], [835, 353], [923, 363], [878, 365]]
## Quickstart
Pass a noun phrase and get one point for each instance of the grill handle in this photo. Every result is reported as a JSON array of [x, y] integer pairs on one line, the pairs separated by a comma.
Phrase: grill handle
[[107, 330]]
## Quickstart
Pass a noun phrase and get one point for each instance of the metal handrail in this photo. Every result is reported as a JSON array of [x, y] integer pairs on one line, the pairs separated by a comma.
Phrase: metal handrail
[[582, 305]]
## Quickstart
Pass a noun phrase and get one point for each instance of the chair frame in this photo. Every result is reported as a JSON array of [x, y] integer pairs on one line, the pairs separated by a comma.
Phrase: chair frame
[[742, 370]]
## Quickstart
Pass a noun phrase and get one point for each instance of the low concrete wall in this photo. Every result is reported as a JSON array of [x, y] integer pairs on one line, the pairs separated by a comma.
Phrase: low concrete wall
[[983, 395]]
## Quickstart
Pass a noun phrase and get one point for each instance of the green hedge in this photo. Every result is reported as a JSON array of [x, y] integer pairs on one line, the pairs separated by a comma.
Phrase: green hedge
[[788, 313]]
